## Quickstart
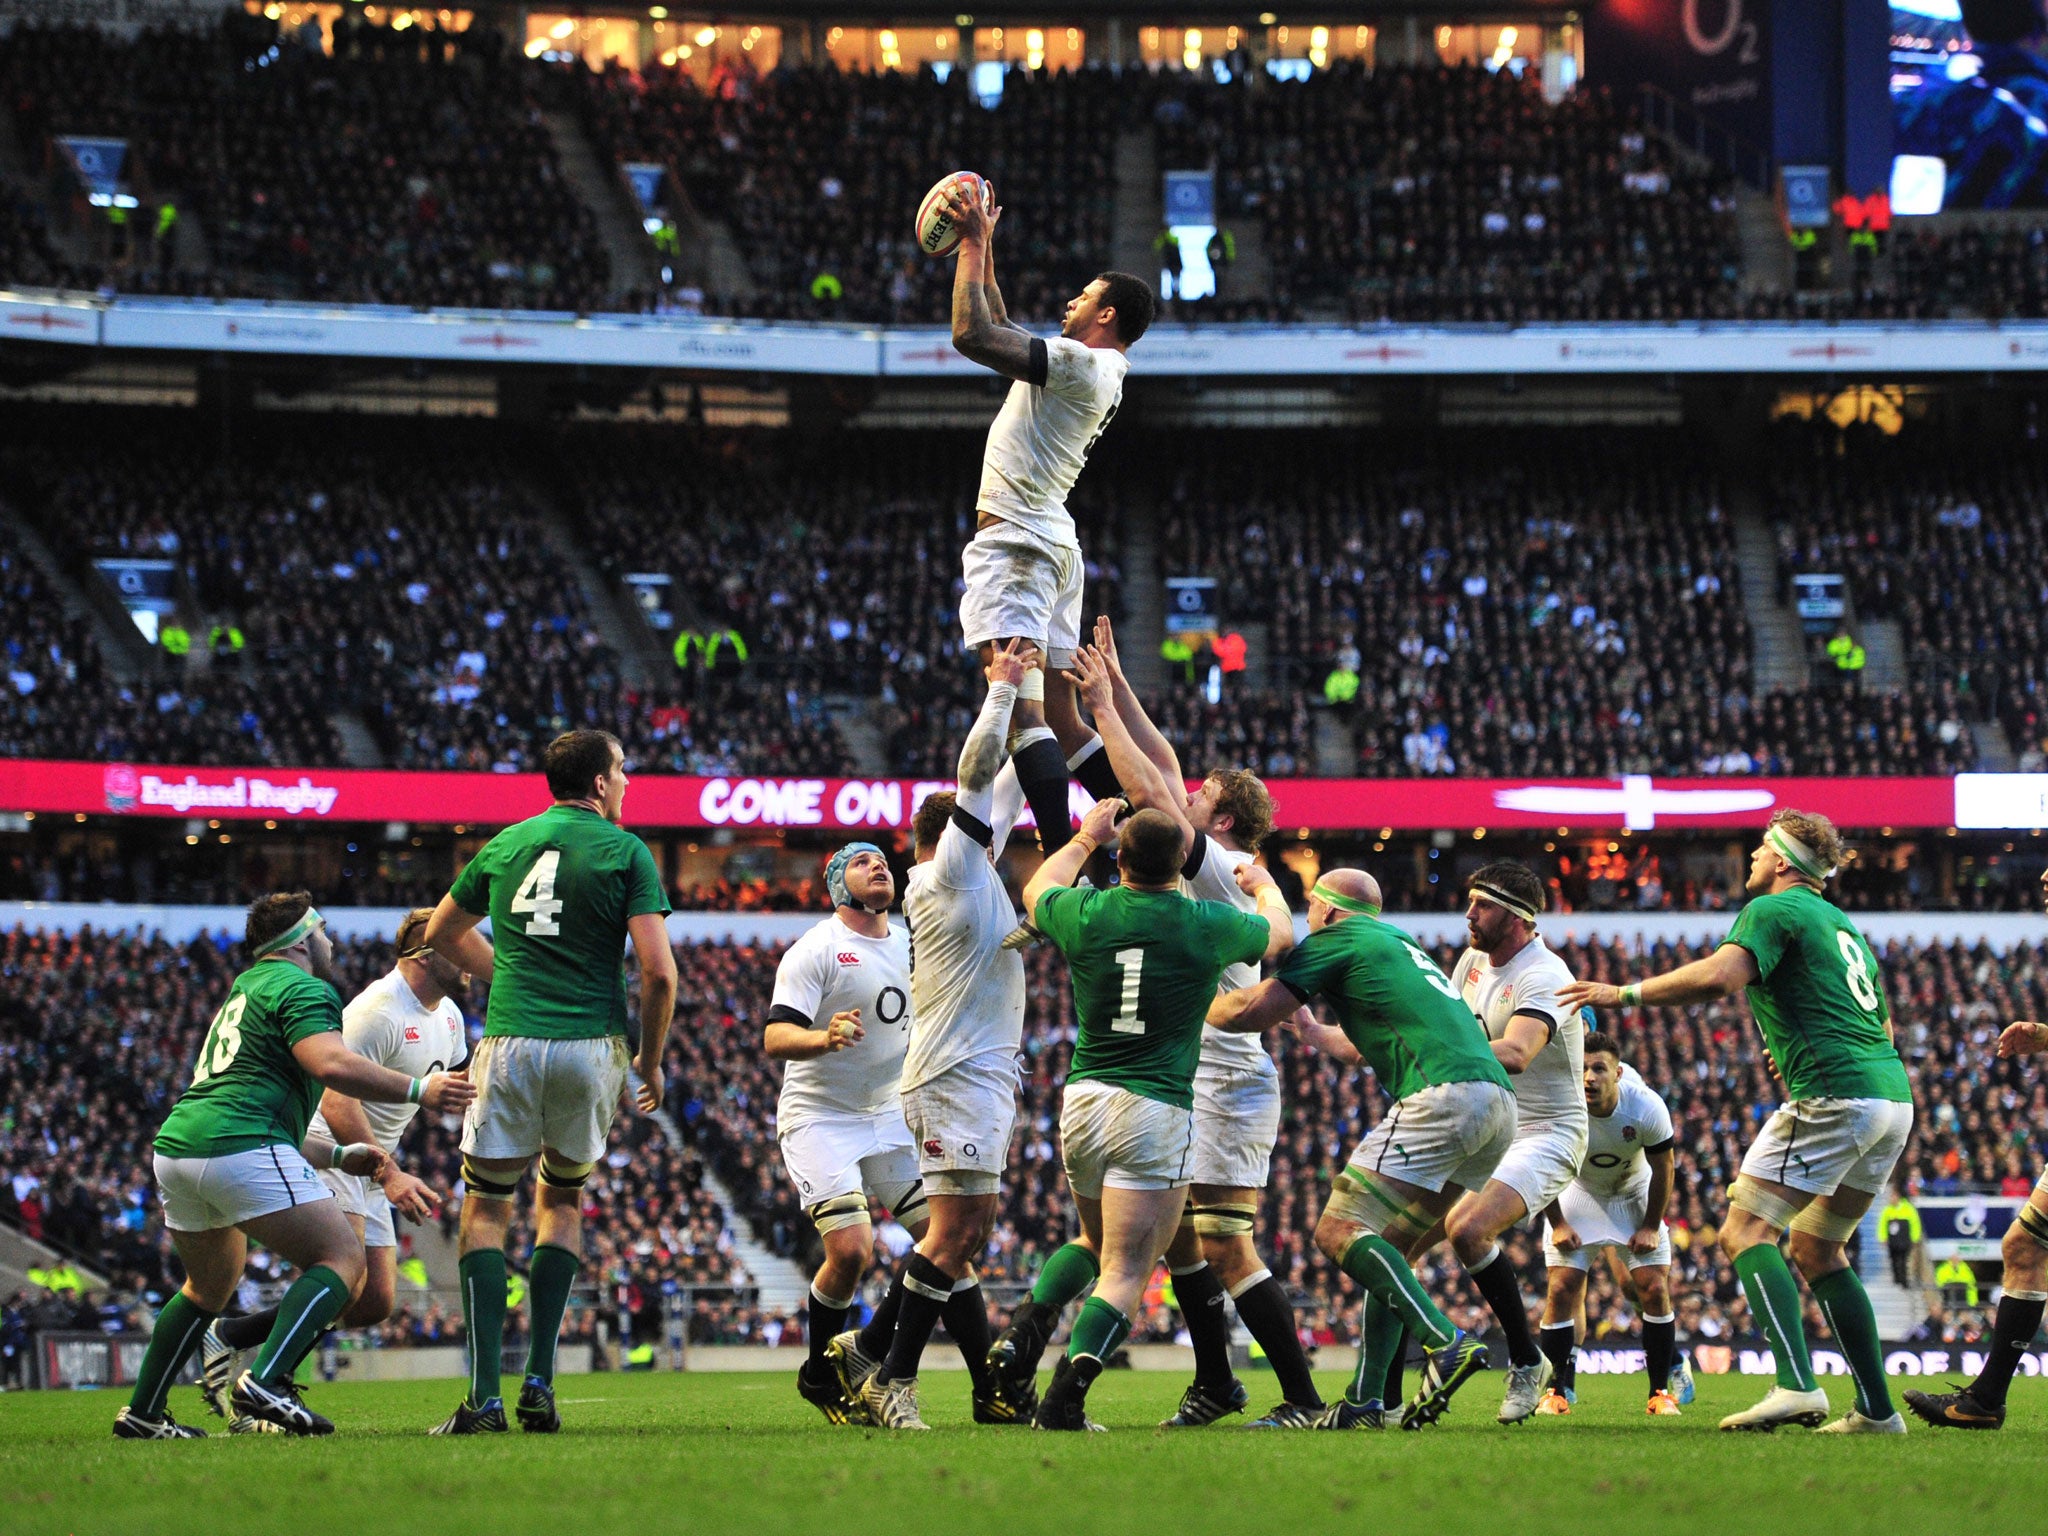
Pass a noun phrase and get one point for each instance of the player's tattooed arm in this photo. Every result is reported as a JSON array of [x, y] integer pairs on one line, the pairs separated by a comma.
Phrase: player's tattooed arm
[[982, 331], [981, 755], [996, 307]]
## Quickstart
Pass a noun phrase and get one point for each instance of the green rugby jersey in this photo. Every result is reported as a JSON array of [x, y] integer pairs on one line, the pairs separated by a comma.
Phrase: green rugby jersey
[[1395, 1004], [1819, 999], [1145, 966], [248, 1090], [559, 889]]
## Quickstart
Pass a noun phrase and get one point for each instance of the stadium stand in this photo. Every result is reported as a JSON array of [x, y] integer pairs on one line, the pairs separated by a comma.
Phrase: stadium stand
[[1457, 194], [100, 1029], [417, 171], [814, 167]]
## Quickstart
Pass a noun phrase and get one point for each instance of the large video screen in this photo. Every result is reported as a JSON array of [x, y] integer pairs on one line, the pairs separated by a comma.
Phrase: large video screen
[[1969, 104]]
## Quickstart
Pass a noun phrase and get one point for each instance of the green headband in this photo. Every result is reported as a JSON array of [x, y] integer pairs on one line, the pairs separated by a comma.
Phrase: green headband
[[1797, 854], [291, 935], [1343, 903]]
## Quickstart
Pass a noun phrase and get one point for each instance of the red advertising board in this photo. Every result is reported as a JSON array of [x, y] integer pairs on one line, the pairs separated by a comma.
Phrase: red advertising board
[[491, 799]]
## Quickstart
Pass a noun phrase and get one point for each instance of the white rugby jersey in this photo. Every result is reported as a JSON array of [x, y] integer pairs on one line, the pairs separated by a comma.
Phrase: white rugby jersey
[[1209, 875], [1552, 1089], [1615, 1166], [966, 990], [387, 1023], [827, 971], [1040, 439]]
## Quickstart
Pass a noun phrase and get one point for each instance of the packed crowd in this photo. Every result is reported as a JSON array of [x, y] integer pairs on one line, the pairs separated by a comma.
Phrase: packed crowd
[[817, 172], [1456, 194], [97, 1035], [418, 172], [60, 697], [1953, 549], [98, 1030]]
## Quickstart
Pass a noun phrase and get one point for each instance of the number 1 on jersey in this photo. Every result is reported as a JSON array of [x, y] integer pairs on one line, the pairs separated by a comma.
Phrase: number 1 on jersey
[[1132, 963], [535, 897]]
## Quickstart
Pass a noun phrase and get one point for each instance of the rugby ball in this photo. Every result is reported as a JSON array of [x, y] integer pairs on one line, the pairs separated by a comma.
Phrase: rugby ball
[[936, 235]]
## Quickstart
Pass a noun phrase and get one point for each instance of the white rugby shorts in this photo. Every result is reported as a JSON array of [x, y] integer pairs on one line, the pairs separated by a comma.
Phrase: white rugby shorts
[[960, 1122], [850, 1155], [1237, 1120], [1454, 1133], [532, 1093], [1604, 1224], [1112, 1137], [207, 1194], [1017, 585], [1541, 1162], [361, 1198], [1822, 1145]]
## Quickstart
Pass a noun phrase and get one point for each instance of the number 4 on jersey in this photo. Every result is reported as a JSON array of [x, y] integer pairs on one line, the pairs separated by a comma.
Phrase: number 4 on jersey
[[535, 899]]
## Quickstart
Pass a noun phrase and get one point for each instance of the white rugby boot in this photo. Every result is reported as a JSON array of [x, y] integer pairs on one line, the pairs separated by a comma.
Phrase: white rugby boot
[[1782, 1405]]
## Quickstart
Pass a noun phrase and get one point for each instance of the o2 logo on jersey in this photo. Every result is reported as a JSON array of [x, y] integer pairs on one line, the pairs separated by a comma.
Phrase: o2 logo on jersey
[[892, 998]]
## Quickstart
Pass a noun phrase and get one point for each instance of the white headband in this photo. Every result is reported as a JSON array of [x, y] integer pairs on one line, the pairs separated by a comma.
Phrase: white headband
[[292, 935], [1501, 898], [1797, 854]]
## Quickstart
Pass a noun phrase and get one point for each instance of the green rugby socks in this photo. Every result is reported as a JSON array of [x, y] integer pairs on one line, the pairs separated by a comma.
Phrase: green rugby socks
[[552, 1277], [316, 1299], [179, 1327], [483, 1310], [1381, 1336], [1099, 1331], [1069, 1272], [1846, 1305], [1377, 1265], [1774, 1301]]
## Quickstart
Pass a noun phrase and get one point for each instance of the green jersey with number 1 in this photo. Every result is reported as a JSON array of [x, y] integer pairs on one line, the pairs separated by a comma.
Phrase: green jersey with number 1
[[1145, 966], [559, 889], [1819, 999], [248, 1090], [1407, 1018]]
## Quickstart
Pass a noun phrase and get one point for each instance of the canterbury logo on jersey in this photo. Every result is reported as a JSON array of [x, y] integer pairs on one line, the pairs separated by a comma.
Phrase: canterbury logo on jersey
[[412, 1034], [848, 957], [932, 1147]]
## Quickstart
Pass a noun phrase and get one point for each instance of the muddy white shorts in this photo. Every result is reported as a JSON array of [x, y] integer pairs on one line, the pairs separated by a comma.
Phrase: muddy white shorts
[[207, 1194], [1017, 585], [1604, 1224], [1822, 1145], [1111, 1136], [1237, 1120], [532, 1093], [1454, 1133], [361, 1198], [960, 1122]]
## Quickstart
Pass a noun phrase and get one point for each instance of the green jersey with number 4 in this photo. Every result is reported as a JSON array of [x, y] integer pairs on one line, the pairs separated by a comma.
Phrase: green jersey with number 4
[[248, 1090], [559, 889], [1819, 1000], [1393, 1002], [1145, 966]]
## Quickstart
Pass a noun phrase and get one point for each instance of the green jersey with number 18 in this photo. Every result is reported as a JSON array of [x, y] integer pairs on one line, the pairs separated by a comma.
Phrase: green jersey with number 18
[[1145, 966], [248, 1090], [1819, 999], [559, 889], [1407, 1018]]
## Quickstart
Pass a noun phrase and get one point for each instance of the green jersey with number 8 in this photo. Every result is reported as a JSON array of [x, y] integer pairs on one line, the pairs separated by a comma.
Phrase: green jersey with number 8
[[1407, 1018], [1145, 966], [1819, 999], [248, 1090], [559, 889]]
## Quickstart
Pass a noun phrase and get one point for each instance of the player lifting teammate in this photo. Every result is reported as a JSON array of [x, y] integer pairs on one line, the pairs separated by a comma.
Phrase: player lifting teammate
[[1023, 569], [959, 1072], [406, 1021], [230, 1167], [564, 891], [1981, 1405], [1617, 1203], [1818, 997], [1452, 1121], [1145, 962], [1237, 1089], [1510, 980]]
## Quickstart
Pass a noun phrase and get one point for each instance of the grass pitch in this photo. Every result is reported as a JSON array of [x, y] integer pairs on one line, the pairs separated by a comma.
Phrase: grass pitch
[[722, 1452]]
